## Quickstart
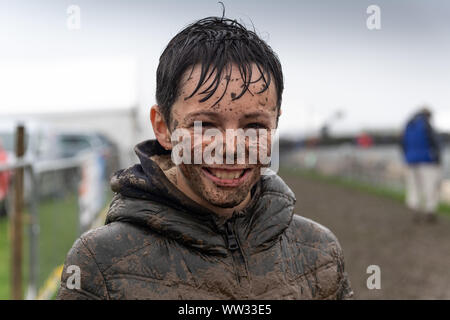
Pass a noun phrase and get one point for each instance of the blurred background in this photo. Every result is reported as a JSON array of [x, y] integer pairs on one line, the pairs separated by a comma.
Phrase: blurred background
[[79, 78]]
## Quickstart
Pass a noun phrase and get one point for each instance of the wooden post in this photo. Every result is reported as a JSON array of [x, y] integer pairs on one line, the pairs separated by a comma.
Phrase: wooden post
[[16, 231]]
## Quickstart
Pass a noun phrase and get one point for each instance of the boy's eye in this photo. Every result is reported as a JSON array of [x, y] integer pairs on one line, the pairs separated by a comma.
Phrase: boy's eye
[[204, 124], [207, 124], [256, 125]]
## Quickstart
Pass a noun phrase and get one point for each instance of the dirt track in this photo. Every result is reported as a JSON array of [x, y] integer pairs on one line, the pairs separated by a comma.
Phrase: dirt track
[[414, 258]]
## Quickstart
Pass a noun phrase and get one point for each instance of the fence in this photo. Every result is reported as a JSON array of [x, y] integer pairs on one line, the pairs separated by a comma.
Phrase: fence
[[49, 204], [380, 165]]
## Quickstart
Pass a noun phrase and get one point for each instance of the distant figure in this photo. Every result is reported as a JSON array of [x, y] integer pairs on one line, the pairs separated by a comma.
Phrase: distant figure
[[422, 154]]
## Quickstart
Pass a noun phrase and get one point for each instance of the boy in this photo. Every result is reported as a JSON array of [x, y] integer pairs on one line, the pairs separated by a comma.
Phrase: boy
[[186, 229]]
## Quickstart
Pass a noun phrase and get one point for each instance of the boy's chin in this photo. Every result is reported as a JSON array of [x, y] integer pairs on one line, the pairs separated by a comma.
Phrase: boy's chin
[[218, 197], [224, 204]]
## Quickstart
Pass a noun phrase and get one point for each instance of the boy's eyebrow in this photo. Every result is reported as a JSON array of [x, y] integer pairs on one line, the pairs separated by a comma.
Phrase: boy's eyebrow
[[255, 115], [217, 114], [203, 113]]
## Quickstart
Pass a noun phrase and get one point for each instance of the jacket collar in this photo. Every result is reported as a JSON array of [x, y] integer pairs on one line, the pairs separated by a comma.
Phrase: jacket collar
[[146, 197]]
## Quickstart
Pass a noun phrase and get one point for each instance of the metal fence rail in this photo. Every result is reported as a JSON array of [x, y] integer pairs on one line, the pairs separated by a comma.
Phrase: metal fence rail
[[380, 165], [49, 191]]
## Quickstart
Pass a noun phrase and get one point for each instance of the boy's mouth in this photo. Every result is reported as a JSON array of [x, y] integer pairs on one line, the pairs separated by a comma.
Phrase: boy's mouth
[[226, 177]]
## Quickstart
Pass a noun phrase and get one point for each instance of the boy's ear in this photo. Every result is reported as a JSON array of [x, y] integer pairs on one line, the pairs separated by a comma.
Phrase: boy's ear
[[160, 128], [278, 117]]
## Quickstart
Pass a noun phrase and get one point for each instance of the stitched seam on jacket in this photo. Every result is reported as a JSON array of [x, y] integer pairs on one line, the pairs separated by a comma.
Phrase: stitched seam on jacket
[[307, 273], [312, 247], [340, 286], [282, 195], [124, 257], [155, 280], [82, 291], [334, 292], [95, 261], [151, 279], [138, 277]]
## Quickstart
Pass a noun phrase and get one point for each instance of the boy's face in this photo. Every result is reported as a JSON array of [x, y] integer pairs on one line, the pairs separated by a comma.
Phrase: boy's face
[[224, 185]]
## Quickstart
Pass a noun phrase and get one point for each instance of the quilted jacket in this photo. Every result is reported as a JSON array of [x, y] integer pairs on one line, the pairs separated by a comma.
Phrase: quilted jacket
[[159, 244]]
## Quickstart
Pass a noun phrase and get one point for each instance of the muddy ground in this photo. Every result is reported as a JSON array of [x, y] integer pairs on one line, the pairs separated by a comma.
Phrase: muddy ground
[[414, 258]]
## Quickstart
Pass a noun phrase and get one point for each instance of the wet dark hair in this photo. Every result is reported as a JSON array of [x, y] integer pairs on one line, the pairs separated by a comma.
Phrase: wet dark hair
[[215, 43]]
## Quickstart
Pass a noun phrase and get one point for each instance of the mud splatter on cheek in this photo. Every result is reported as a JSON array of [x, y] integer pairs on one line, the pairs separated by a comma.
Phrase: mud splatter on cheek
[[189, 174]]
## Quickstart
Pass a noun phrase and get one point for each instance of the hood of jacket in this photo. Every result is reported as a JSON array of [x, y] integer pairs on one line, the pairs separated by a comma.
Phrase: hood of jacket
[[146, 197]]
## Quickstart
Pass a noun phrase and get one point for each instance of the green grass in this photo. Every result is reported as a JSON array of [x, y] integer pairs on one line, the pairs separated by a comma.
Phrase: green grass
[[5, 258], [397, 195], [58, 231]]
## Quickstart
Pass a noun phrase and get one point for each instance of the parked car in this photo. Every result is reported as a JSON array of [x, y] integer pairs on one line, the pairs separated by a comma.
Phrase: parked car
[[72, 143], [43, 143]]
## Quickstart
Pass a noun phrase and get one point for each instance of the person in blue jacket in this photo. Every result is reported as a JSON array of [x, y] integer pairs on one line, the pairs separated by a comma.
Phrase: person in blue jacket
[[423, 158]]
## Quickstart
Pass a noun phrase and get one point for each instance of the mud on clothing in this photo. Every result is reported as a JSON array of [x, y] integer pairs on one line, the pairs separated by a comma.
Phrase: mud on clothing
[[159, 244]]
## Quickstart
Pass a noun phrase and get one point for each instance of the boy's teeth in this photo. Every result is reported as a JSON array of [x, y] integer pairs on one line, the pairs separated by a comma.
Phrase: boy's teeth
[[226, 174]]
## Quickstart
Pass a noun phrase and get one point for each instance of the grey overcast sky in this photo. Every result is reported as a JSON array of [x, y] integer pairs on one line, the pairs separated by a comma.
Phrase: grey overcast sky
[[331, 60]]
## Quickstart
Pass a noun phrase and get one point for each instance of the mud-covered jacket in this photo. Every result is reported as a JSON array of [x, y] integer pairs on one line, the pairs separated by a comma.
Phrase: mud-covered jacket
[[159, 244]]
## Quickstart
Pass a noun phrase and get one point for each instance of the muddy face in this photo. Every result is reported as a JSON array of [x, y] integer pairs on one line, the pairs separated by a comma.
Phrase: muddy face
[[223, 185]]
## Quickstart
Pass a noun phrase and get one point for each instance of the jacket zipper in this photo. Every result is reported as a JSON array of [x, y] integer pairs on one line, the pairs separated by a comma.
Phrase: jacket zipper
[[231, 237], [236, 251]]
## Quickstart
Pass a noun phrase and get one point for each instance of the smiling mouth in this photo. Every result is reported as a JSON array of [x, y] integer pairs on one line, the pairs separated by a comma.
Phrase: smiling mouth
[[227, 177]]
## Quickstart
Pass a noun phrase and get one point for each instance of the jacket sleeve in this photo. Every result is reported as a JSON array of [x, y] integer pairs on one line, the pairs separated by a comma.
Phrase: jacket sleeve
[[344, 290], [81, 278]]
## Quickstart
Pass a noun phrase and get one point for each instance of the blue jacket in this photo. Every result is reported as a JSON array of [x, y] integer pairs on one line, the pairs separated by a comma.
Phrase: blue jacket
[[419, 142]]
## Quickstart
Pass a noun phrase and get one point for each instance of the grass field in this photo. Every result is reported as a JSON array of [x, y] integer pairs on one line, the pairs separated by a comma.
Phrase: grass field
[[58, 231]]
